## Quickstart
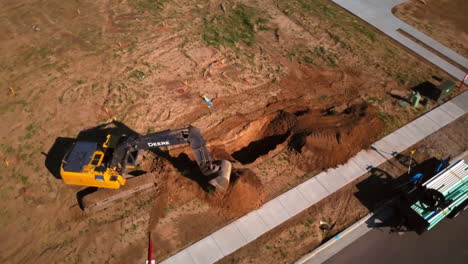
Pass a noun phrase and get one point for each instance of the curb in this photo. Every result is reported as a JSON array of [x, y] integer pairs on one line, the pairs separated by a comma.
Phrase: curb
[[340, 241]]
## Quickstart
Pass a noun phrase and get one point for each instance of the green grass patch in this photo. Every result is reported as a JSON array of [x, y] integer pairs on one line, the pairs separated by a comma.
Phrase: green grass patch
[[353, 37], [31, 130], [320, 51], [340, 26], [136, 74], [318, 7], [92, 222], [365, 30], [308, 60], [33, 53], [324, 98], [145, 204], [154, 7], [10, 150], [235, 26], [24, 180], [332, 60], [308, 223], [315, 56], [391, 123]]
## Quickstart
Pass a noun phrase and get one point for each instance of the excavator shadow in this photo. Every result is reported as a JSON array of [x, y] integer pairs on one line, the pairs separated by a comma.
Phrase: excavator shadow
[[99, 133], [187, 167], [82, 193], [56, 154]]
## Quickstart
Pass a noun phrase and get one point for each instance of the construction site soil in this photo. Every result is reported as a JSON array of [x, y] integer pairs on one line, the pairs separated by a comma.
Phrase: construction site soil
[[297, 88]]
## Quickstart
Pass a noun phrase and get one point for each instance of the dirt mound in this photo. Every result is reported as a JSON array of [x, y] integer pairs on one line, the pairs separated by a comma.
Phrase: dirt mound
[[332, 135], [330, 140], [244, 195], [174, 188]]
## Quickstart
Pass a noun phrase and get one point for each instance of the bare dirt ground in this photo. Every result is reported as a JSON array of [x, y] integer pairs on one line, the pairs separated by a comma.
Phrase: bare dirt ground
[[301, 234], [293, 82], [444, 20]]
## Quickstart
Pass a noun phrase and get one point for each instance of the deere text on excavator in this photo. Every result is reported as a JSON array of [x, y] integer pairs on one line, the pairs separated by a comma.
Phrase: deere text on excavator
[[106, 164]]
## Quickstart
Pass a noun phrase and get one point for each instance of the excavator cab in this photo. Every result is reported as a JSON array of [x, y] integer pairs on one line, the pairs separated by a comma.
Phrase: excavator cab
[[86, 165]]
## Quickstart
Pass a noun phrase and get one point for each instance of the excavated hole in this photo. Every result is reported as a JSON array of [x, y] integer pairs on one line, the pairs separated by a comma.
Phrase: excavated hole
[[258, 148], [263, 137], [301, 112], [298, 141], [266, 137]]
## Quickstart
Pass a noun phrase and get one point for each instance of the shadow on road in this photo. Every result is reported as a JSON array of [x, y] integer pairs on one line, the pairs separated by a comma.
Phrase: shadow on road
[[380, 191]]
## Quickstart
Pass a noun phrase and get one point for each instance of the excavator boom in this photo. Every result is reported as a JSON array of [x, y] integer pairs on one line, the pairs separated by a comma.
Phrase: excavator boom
[[220, 170]]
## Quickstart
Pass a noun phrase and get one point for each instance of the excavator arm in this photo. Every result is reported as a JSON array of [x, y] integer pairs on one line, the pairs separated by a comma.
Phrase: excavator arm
[[219, 170]]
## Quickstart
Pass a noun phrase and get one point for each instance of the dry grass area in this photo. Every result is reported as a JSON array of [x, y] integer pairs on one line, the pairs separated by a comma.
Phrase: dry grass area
[[292, 82], [444, 20]]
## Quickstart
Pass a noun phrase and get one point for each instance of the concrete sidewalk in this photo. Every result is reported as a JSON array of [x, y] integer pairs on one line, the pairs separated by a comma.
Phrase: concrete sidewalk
[[278, 210], [379, 14]]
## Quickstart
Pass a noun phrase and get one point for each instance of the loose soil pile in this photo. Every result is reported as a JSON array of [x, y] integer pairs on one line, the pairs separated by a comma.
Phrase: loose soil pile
[[243, 195]]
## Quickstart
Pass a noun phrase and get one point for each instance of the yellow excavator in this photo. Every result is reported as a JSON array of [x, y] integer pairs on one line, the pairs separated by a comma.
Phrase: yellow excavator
[[106, 164]]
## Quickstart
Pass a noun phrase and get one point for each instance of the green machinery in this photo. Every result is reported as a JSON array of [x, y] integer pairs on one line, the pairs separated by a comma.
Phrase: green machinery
[[443, 90], [444, 195]]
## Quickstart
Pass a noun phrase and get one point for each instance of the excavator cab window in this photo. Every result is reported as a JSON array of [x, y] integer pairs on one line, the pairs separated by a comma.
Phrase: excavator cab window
[[101, 168], [97, 157], [99, 178]]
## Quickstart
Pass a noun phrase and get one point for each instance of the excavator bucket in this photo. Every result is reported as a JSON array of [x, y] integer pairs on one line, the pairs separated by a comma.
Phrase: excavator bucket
[[222, 176]]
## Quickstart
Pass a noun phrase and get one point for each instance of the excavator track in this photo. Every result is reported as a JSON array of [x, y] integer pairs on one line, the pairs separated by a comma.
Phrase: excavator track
[[104, 198]]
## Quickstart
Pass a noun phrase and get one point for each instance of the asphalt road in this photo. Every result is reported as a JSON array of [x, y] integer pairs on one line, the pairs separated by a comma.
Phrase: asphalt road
[[446, 243]]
